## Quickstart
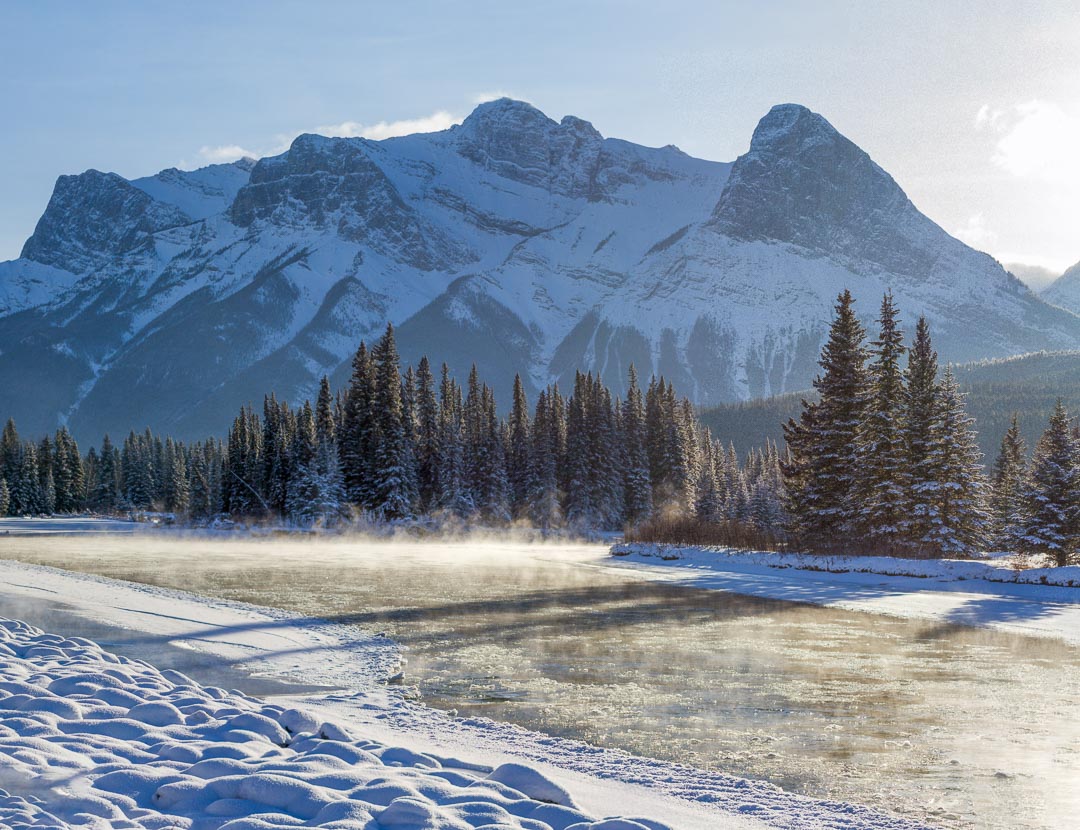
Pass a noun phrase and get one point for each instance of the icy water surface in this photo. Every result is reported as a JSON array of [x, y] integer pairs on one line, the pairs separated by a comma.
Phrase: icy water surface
[[963, 727]]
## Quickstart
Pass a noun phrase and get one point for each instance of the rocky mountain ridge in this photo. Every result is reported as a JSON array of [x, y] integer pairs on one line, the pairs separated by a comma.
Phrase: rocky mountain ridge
[[511, 240]]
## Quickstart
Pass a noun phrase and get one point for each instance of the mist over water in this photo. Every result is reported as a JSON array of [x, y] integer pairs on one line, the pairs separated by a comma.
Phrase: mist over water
[[964, 727]]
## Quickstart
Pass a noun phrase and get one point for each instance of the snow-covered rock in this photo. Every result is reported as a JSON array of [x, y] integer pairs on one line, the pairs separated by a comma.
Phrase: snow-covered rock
[[192, 757], [512, 240]]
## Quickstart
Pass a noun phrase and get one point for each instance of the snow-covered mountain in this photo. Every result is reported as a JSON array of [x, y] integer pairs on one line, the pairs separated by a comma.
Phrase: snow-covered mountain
[[512, 240], [1065, 290]]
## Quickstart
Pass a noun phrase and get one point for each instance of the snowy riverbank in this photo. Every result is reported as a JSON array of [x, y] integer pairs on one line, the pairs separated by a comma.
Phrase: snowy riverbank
[[270, 643], [92, 739], [1037, 601]]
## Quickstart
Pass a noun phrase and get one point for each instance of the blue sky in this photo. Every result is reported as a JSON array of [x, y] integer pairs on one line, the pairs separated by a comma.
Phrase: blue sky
[[973, 107]]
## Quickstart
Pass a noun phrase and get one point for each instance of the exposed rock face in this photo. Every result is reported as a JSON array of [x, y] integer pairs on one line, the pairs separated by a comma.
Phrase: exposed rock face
[[805, 184], [94, 217], [512, 240]]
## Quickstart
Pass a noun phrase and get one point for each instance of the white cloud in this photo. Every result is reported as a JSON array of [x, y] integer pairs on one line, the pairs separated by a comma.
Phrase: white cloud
[[224, 154], [987, 117], [1035, 140], [441, 120], [976, 233], [495, 95]]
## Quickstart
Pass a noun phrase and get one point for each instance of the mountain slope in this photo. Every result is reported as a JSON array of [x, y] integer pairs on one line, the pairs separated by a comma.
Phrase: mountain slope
[[1065, 290], [512, 240]]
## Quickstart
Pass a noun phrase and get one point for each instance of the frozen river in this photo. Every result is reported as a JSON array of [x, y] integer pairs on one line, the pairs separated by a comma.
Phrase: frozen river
[[963, 727]]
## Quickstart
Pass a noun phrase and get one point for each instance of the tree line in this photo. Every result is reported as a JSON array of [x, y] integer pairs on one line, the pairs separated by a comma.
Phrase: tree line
[[887, 460], [399, 445]]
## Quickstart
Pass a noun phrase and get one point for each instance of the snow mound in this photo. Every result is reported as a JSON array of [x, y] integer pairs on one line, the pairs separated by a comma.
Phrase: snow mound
[[92, 740]]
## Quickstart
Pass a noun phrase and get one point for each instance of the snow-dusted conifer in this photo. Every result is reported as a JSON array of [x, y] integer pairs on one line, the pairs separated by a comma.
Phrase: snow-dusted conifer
[[427, 437], [518, 451], [393, 481], [709, 505], [922, 436], [880, 475], [544, 508], [959, 520], [454, 497], [358, 427], [1051, 524], [1007, 488], [638, 497]]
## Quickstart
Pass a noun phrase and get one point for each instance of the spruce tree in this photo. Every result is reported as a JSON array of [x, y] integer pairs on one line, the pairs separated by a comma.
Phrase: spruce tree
[[304, 497], [356, 447], [824, 471], [393, 483], [106, 495], [710, 502], [454, 498], [638, 485], [10, 452], [959, 518], [881, 482], [1051, 523], [427, 438], [26, 492], [1007, 488], [580, 510], [544, 507], [5, 497], [736, 491], [495, 487], [177, 485], [47, 499], [767, 493], [922, 437], [517, 451]]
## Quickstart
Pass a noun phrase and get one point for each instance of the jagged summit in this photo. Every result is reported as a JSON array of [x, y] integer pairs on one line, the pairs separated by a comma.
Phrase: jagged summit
[[94, 216], [515, 140], [803, 183], [503, 112], [783, 121], [512, 240]]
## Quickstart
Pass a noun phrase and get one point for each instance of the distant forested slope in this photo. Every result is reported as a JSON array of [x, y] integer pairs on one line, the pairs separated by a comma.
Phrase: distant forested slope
[[1028, 385]]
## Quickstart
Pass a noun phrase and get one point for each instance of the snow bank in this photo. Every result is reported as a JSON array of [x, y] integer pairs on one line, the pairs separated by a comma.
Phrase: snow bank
[[989, 592], [998, 569], [91, 739]]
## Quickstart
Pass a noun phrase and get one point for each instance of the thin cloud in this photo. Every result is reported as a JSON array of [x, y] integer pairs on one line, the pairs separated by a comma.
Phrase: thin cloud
[[225, 154], [976, 233], [1035, 140], [485, 97], [441, 120]]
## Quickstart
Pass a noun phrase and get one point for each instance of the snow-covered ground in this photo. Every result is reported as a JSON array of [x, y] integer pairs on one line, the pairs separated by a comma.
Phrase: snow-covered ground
[[1041, 602], [203, 767], [96, 740]]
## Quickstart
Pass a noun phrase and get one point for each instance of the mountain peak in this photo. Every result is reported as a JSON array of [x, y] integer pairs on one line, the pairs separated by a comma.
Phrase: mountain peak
[[93, 216], [506, 110], [803, 183], [517, 141], [787, 123]]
